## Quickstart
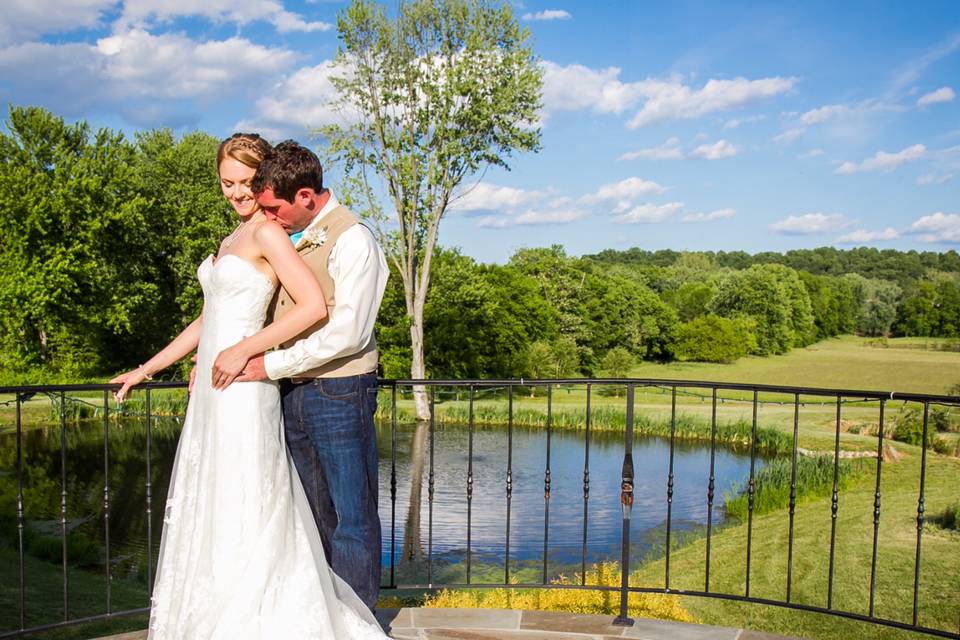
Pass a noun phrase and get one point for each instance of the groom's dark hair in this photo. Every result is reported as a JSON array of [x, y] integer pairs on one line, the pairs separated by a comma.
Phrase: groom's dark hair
[[286, 169]]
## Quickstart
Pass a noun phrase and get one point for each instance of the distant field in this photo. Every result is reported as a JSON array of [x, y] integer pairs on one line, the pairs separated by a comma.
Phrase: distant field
[[844, 362]]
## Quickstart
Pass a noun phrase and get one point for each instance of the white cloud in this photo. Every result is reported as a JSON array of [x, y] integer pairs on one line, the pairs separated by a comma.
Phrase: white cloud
[[884, 161], [943, 94], [809, 223], [813, 153], [173, 66], [26, 19], [929, 179], [719, 214], [549, 14], [143, 12], [534, 217], [490, 197], [861, 236], [302, 100], [649, 213], [675, 101], [821, 114], [140, 75], [622, 194], [939, 227], [733, 123], [789, 136], [716, 151], [669, 150], [577, 87]]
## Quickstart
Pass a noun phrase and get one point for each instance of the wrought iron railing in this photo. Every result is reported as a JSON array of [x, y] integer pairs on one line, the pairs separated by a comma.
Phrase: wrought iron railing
[[392, 390]]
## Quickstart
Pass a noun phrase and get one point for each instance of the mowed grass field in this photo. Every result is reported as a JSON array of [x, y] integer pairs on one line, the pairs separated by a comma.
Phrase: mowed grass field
[[913, 365]]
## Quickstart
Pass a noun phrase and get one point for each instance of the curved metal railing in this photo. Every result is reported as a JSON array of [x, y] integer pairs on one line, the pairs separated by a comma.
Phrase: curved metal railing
[[391, 392]]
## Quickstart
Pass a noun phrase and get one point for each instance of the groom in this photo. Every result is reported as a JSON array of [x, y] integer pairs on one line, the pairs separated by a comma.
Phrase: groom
[[327, 375]]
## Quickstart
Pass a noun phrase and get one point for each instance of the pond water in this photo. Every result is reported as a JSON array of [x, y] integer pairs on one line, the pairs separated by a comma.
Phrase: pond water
[[86, 473]]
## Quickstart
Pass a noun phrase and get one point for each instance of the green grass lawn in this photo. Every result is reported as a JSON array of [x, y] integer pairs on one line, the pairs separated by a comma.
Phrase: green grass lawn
[[845, 362], [939, 592]]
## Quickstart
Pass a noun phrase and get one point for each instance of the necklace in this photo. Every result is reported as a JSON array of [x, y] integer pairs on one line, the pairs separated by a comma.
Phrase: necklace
[[236, 233]]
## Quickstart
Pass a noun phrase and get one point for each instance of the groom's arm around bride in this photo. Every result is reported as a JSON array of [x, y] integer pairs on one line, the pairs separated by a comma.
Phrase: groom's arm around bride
[[328, 373]]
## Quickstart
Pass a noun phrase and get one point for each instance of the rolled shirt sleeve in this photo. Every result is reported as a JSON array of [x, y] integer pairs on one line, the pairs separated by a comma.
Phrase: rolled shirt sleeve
[[359, 272]]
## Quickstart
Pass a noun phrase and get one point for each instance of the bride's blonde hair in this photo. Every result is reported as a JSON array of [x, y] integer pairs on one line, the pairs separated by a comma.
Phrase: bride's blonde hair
[[248, 148]]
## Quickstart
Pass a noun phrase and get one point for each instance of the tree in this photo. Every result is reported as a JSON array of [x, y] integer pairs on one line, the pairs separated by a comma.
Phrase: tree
[[566, 357], [711, 338], [74, 234], [617, 362], [877, 302], [480, 318], [441, 91], [775, 298]]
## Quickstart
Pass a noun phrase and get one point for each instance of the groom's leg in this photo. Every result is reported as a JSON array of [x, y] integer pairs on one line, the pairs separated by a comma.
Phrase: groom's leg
[[338, 416], [305, 460]]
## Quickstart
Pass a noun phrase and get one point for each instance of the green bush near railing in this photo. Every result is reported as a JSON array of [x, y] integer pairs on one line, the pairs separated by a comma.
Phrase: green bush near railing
[[814, 480]]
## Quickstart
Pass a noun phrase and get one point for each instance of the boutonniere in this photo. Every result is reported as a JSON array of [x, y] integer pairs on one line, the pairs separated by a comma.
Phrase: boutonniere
[[314, 237]]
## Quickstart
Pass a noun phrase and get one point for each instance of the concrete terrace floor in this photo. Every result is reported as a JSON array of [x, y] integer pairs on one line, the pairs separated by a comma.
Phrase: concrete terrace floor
[[499, 624]]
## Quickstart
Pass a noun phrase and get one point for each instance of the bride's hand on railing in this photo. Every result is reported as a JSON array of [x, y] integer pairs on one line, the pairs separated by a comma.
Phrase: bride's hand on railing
[[228, 365], [129, 379]]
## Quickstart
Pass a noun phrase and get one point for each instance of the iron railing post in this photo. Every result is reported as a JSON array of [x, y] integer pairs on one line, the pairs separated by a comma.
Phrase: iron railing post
[[626, 503]]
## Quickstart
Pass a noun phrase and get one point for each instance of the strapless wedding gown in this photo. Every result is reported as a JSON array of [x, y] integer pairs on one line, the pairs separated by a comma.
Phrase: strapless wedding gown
[[240, 555]]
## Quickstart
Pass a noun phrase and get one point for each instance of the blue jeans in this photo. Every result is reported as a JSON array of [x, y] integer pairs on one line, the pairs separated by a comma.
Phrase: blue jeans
[[330, 433]]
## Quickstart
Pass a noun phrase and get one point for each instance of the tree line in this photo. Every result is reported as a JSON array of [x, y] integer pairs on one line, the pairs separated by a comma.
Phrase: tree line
[[100, 238]]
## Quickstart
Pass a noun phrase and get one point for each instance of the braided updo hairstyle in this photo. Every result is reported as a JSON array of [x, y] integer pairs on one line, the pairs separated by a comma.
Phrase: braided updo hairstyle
[[247, 148]]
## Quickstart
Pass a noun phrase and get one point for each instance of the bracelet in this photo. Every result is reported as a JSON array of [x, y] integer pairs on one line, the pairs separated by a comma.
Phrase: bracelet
[[146, 375]]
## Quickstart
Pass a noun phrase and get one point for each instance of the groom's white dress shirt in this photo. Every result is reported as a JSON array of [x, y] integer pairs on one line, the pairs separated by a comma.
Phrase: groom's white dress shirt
[[359, 271]]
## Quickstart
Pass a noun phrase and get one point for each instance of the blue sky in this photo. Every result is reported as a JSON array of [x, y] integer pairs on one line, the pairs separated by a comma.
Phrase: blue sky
[[681, 125]]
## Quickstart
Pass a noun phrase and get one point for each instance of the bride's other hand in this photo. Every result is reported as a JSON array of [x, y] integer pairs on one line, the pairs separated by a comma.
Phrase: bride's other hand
[[228, 365], [128, 380]]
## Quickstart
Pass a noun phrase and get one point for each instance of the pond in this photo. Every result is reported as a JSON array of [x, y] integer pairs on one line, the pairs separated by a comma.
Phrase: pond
[[126, 471]]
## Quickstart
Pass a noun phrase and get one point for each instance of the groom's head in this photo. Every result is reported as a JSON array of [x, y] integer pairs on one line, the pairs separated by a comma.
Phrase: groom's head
[[288, 186]]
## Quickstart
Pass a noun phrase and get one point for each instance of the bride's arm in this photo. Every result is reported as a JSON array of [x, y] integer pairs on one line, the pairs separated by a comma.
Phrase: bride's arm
[[309, 304], [180, 346]]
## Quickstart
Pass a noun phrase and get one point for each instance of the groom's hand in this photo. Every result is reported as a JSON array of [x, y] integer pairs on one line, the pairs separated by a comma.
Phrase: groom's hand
[[253, 371]]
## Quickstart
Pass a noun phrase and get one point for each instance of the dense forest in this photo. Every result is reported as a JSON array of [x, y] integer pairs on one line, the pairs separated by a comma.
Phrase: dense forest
[[100, 237]]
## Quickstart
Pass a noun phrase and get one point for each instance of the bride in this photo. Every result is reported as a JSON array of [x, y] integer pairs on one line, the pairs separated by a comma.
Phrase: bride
[[240, 554]]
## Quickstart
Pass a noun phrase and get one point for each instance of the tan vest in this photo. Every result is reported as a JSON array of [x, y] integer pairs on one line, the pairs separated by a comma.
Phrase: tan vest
[[364, 361]]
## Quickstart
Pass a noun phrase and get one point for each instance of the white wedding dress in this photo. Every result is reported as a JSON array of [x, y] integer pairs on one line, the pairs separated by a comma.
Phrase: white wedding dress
[[240, 555]]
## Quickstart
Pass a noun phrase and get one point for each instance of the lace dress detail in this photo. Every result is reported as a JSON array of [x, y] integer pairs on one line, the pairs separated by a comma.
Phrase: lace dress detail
[[240, 555]]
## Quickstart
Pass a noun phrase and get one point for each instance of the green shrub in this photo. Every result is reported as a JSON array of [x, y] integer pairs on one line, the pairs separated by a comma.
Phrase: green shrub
[[711, 338], [814, 479]]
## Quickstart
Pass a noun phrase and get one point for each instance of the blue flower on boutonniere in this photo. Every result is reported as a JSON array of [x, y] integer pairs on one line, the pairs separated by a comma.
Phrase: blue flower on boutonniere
[[314, 237]]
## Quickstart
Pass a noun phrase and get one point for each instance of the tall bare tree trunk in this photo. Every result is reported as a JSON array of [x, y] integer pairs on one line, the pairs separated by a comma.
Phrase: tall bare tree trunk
[[418, 370], [412, 546]]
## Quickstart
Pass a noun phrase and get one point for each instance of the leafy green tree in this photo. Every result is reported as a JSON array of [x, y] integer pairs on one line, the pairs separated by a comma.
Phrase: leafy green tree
[[617, 362], [75, 234], [561, 280], [480, 318], [773, 296], [565, 356], [539, 360], [931, 308], [189, 214], [437, 93], [620, 312], [877, 302], [711, 338], [691, 299]]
